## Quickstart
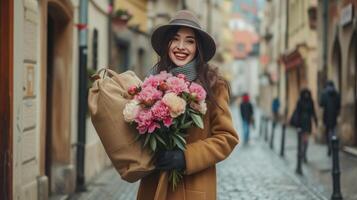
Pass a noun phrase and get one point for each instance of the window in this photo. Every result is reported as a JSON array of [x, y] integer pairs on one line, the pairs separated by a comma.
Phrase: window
[[240, 47]]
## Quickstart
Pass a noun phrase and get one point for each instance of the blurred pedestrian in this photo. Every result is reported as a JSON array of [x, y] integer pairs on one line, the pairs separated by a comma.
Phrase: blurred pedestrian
[[246, 110], [331, 104], [275, 109], [305, 111], [185, 48]]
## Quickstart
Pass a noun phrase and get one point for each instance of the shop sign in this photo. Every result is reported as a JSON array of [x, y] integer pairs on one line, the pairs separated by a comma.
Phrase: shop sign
[[347, 14]]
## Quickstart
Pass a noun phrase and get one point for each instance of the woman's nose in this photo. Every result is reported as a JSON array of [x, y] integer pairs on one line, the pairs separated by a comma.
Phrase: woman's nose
[[180, 45]]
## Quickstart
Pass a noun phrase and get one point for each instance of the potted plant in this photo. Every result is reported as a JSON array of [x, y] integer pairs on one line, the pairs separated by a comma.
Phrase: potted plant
[[121, 17]]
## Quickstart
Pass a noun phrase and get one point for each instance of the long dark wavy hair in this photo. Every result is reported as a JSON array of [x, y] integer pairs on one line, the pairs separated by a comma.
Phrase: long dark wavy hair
[[206, 74]]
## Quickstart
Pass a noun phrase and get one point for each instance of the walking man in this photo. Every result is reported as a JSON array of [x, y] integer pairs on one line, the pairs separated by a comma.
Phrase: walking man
[[331, 104], [246, 110]]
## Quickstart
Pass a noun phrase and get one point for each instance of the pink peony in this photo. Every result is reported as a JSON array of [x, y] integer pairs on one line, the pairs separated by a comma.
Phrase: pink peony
[[148, 94], [181, 76], [177, 85], [133, 90], [176, 104], [168, 121], [155, 80], [197, 91], [160, 111], [145, 122]]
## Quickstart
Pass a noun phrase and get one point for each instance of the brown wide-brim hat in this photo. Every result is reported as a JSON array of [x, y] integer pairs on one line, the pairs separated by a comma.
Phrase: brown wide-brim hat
[[187, 19]]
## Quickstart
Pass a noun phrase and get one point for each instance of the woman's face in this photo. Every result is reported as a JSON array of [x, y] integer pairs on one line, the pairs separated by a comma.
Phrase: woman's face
[[182, 48]]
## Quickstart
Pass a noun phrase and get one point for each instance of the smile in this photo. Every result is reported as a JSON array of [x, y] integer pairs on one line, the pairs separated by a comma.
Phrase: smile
[[180, 55]]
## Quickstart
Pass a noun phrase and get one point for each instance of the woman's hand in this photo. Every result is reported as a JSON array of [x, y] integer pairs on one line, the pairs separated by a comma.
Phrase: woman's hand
[[168, 160]]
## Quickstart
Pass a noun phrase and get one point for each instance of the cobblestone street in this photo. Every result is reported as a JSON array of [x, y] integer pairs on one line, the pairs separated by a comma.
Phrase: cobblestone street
[[251, 172]]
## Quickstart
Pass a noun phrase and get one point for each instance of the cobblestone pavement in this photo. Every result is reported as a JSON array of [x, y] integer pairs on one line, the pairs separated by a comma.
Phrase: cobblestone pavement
[[252, 172]]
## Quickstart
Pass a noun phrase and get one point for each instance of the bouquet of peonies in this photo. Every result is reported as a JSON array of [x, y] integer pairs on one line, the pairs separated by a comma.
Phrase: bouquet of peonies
[[162, 108]]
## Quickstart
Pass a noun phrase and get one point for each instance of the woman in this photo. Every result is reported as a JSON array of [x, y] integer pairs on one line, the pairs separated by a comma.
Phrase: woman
[[306, 112], [183, 47]]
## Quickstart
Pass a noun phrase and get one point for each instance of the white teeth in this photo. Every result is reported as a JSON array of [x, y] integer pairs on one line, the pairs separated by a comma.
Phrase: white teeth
[[180, 54]]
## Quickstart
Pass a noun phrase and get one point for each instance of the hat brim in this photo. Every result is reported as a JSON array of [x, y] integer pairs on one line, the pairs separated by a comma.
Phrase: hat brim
[[208, 43]]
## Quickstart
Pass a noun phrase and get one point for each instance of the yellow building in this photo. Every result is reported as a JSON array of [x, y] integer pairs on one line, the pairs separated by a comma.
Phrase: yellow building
[[300, 57]]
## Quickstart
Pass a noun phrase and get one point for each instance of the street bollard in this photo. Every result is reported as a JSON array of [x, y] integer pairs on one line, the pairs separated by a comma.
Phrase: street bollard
[[336, 195], [266, 128], [282, 147], [272, 134], [299, 152], [261, 126]]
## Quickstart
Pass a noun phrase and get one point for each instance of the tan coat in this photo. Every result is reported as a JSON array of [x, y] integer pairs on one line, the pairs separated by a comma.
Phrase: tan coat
[[204, 149]]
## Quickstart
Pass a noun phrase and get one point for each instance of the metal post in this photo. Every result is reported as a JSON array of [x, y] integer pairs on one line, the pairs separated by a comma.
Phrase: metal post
[[336, 195], [82, 96], [272, 134], [282, 147], [266, 128], [261, 125], [299, 153]]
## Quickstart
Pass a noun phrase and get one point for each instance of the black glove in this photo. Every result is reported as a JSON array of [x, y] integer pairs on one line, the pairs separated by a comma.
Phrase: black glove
[[167, 160]]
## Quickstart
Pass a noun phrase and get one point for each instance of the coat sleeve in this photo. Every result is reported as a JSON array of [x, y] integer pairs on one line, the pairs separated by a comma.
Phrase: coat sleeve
[[223, 138]]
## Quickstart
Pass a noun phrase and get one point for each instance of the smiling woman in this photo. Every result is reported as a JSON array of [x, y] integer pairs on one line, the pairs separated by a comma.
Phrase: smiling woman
[[185, 48]]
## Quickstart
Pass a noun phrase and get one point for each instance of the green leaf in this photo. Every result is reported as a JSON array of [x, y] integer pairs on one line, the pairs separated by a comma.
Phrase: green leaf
[[153, 143], [137, 137], [181, 138], [147, 138], [197, 119], [160, 140], [183, 118], [187, 125], [179, 144], [192, 111]]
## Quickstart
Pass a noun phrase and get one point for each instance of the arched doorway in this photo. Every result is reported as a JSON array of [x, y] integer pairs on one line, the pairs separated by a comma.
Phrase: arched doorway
[[337, 65], [58, 95]]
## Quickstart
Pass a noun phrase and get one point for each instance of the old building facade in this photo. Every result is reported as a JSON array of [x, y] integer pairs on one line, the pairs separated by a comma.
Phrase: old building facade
[[289, 53], [45, 95], [337, 26]]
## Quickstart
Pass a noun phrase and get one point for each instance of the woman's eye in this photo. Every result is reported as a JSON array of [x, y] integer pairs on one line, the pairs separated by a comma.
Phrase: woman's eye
[[191, 41]]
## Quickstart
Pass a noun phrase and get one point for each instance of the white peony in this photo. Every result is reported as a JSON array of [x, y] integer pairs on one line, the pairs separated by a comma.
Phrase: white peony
[[200, 106], [131, 111], [176, 104]]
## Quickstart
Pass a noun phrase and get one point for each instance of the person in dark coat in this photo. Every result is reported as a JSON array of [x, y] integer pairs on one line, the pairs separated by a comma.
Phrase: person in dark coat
[[246, 110], [306, 112], [331, 104]]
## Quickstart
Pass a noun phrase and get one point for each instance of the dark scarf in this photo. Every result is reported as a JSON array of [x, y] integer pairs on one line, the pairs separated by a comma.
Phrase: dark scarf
[[189, 70]]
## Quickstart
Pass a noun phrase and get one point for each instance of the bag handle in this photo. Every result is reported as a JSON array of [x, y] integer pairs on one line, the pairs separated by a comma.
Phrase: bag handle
[[97, 75]]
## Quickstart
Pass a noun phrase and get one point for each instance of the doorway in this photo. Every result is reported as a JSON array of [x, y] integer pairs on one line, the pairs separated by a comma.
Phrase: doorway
[[58, 94], [6, 88]]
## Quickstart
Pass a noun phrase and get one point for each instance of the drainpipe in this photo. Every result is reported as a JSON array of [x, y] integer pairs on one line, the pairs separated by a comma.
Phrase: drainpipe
[[110, 32], [286, 72], [82, 98], [184, 5], [325, 40], [209, 16]]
